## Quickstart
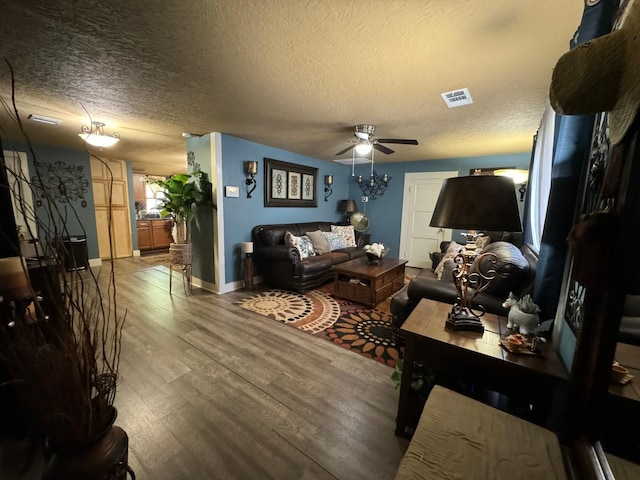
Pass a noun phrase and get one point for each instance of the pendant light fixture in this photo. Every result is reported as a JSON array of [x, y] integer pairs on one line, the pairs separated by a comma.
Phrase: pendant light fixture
[[94, 135]]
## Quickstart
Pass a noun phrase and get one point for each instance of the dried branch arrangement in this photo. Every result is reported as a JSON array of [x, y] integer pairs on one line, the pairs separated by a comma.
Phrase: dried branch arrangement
[[60, 337]]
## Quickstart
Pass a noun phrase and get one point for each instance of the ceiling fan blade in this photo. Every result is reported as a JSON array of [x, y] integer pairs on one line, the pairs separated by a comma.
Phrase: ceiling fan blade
[[345, 150], [382, 148], [398, 140]]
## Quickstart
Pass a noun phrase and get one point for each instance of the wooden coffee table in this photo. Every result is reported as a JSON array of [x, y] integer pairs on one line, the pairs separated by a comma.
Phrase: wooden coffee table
[[369, 284]]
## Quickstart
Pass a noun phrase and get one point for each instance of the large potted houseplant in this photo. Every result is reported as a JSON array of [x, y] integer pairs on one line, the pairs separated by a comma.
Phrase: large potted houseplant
[[183, 194]]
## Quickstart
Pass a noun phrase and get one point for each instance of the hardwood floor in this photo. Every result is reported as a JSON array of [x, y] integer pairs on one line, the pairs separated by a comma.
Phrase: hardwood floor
[[212, 391]]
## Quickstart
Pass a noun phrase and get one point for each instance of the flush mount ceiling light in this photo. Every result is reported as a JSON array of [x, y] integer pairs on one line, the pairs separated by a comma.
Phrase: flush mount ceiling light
[[94, 135]]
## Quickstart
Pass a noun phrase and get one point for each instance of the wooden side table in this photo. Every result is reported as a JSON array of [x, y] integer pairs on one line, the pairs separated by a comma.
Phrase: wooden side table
[[248, 271], [475, 358]]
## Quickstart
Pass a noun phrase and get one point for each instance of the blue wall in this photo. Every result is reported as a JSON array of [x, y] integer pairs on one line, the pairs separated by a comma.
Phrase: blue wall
[[78, 220], [242, 214], [385, 213], [132, 208], [202, 224]]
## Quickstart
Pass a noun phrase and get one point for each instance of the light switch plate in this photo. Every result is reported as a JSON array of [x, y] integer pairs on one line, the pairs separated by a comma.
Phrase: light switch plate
[[230, 191], [365, 199]]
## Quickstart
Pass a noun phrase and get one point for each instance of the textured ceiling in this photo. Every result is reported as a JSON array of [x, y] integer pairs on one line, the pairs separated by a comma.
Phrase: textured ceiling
[[293, 74]]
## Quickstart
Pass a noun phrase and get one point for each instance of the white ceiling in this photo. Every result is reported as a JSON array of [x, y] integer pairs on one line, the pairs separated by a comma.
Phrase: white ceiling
[[292, 74]]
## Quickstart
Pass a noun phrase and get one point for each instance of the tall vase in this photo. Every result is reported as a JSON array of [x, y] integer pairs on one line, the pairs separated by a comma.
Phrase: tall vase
[[104, 456], [373, 259]]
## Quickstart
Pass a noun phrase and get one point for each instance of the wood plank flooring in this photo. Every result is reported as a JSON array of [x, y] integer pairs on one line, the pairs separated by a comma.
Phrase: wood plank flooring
[[212, 391]]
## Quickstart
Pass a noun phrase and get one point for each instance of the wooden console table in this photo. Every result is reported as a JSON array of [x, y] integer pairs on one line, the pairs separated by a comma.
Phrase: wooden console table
[[369, 284], [474, 358]]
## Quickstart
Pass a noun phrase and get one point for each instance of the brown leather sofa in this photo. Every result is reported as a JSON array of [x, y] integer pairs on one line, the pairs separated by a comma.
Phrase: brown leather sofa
[[282, 267]]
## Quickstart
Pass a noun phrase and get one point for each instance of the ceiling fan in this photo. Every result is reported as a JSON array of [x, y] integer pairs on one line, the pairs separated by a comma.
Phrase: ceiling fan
[[365, 142]]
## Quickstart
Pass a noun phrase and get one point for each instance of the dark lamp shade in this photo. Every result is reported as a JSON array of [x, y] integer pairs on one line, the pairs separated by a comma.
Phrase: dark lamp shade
[[347, 206], [482, 202]]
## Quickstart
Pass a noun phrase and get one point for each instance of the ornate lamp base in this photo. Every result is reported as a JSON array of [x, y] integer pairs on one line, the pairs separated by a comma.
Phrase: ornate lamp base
[[464, 320]]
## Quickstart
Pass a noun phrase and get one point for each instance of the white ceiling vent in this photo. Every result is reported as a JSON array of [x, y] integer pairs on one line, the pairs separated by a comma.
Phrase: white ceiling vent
[[355, 161], [43, 119], [457, 98]]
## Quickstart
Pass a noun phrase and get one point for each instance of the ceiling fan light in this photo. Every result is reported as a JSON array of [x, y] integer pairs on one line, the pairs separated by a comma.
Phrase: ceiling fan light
[[363, 147], [95, 135]]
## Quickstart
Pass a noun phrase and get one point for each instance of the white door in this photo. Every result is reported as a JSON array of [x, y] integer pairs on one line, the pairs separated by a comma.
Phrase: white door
[[417, 238], [23, 211]]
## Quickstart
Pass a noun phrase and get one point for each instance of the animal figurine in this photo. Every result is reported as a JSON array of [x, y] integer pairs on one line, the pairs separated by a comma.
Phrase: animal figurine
[[508, 303], [523, 313]]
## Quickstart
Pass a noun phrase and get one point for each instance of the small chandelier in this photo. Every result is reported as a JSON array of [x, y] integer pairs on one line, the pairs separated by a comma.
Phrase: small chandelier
[[94, 135], [374, 186]]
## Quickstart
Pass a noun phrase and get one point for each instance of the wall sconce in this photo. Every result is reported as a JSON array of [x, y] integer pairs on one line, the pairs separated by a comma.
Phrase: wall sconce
[[251, 168], [374, 186], [328, 181]]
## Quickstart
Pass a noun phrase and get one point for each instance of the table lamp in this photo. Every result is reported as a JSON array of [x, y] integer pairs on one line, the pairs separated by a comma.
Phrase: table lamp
[[474, 203], [348, 207]]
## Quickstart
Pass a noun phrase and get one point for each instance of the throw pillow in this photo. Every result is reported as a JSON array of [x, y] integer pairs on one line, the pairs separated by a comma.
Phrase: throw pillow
[[319, 241], [452, 251], [347, 233], [482, 242], [302, 244], [334, 240]]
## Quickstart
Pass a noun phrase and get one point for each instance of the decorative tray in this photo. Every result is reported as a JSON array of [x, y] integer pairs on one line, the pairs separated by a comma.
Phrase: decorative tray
[[520, 345], [623, 381]]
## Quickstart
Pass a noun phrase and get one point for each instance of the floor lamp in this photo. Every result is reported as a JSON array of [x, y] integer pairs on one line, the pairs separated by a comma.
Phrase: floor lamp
[[475, 203]]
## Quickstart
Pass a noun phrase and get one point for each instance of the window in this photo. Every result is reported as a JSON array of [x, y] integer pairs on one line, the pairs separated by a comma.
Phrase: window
[[154, 194]]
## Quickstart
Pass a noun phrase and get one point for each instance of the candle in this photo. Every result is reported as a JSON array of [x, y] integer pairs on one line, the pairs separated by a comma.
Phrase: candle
[[328, 179], [247, 247], [252, 168]]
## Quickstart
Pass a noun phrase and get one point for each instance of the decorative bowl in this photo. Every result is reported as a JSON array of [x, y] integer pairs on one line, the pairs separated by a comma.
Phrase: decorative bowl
[[373, 259], [618, 372]]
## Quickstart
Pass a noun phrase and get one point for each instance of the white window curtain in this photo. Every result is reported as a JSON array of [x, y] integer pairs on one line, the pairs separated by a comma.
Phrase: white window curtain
[[539, 183]]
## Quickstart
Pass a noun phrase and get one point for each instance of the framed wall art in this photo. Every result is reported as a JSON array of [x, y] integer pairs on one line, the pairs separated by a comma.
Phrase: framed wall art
[[289, 185]]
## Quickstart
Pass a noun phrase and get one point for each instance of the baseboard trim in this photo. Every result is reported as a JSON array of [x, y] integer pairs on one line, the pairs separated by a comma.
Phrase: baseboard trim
[[95, 262]]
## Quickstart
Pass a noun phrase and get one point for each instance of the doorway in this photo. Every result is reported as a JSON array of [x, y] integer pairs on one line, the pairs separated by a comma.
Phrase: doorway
[[417, 238]]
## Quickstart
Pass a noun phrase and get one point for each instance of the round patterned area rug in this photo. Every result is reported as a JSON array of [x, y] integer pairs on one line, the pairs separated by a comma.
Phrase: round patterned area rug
[[367, 332], [312, 312], [350, 325]]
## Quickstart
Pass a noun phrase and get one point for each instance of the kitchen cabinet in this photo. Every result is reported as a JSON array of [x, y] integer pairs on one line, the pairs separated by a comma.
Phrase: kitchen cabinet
[[154, 234]]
